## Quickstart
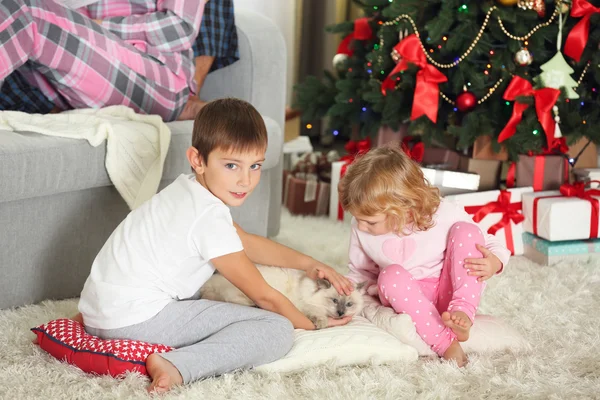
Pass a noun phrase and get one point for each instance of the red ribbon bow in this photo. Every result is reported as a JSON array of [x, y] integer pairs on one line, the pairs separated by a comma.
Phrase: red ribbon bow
[[417, 151], [510, 212], [427, 92], [578, 36], [362, 31], [545, 99], [576, 189], [354, 149]]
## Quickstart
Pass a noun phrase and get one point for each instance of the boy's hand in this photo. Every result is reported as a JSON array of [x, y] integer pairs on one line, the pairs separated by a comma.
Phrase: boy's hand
[[484, 267], [339, 282]]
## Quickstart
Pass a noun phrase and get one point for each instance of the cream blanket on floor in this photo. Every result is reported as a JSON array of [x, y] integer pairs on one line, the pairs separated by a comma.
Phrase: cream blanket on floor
[[136, 145]]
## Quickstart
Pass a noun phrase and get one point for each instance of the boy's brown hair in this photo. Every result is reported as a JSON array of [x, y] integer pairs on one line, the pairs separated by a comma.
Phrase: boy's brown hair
[[229, 125]]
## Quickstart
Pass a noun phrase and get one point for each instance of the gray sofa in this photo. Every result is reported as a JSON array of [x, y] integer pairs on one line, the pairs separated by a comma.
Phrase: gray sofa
[[57, 204]]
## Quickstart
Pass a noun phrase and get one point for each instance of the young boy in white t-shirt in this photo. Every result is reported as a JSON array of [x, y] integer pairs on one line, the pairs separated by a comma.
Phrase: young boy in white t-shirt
[[144, 282]]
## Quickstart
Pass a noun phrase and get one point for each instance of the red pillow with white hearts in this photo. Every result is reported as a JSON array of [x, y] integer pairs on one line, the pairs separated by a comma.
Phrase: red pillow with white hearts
[[68, 341]]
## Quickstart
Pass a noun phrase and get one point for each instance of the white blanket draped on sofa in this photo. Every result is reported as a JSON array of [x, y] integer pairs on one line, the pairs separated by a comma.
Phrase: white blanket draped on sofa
[[136, 145]]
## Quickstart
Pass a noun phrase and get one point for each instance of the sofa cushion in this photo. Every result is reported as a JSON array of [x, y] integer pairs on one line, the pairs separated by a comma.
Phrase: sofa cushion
[[33, 165]]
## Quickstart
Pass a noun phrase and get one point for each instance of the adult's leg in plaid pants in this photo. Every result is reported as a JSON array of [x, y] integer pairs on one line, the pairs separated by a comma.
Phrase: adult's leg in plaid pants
[[85, 63]]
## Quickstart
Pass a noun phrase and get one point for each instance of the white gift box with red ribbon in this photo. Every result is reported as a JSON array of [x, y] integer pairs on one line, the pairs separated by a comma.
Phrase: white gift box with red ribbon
[[335, 212], [571, 213], [499, 213]]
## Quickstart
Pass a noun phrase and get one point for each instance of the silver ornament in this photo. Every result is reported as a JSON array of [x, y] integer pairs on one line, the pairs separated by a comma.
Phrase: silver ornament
[[564, 6], [523, 57], [339, 60]]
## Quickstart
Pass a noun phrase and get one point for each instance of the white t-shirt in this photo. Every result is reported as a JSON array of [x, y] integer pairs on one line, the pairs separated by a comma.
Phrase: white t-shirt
[[160, 253]]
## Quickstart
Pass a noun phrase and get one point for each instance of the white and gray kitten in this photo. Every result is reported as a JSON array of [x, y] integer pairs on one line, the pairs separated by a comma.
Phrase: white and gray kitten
[[318, 300]]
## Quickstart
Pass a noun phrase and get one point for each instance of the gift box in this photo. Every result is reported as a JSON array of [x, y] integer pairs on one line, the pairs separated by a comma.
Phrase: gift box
[[440, 158], [587, 176], [335, 210], [451, 182], [542, 172], [545, 252], [293, 151], [570, 213], [497, 212], [305, 196], [588, 157], [386, 135], [488, 171], [483, 150], [315, 163]]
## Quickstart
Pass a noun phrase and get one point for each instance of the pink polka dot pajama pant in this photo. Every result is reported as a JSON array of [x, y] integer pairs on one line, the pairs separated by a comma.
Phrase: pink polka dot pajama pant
[[426, 299]]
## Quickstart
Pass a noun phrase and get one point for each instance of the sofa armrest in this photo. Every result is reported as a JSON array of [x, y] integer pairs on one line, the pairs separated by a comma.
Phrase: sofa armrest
[[259, 76]]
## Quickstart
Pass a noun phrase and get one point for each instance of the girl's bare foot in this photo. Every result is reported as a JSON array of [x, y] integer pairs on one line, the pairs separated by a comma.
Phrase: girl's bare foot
[[456, 353], [164, 375], [459, 322]]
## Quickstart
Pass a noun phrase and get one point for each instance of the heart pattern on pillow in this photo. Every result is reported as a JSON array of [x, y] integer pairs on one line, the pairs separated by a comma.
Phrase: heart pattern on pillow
[[399, 250]]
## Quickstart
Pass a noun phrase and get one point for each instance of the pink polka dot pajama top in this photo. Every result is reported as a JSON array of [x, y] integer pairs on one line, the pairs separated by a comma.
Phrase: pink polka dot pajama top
[[423, 274]]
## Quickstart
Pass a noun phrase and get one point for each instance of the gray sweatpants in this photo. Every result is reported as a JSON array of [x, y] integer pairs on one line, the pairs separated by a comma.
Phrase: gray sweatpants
[[211, 337]]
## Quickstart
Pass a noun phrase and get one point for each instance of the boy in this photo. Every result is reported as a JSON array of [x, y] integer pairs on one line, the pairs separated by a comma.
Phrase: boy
[[144, 282]]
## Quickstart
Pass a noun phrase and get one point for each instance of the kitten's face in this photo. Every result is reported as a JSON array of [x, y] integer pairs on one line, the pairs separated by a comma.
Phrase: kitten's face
[[336, 305]]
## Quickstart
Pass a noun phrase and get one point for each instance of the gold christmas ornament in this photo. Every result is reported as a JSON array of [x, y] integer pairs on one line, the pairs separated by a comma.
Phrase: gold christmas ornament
[[507, 3]]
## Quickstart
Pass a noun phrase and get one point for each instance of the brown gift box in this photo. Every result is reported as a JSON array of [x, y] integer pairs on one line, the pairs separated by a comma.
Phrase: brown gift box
[[482, 150], [441, 158], [305, 197], [554, 172], [589, 157], [386, 135], [488, 171]]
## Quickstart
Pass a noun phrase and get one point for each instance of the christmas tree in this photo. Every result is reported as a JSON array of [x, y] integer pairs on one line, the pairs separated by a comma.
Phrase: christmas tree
[[339, 97], [524, 72]]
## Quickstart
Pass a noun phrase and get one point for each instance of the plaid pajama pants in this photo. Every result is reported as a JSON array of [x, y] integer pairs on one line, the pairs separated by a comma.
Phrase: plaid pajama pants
[[76, 63], [217, 38]]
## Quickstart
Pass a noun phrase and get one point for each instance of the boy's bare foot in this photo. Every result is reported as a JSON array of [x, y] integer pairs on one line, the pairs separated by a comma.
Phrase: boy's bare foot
[[459, 322], [164, 375], [456, 353], [78, 318], [192, 107]]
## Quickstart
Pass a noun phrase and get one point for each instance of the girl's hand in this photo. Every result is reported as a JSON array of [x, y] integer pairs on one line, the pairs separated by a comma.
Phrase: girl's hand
[[331, 322], [485, 267], [339, 282]]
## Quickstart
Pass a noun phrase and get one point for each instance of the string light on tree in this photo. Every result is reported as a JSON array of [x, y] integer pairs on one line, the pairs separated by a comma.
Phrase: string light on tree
[[507, 3]]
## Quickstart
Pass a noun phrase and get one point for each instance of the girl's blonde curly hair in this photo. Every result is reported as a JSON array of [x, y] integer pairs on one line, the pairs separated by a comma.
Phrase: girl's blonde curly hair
[[386, 181]]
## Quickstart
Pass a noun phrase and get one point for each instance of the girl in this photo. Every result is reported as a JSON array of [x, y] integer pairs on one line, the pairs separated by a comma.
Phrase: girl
[[422, 255]]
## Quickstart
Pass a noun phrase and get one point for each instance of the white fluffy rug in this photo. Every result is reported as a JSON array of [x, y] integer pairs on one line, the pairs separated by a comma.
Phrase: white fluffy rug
[[555, 308]]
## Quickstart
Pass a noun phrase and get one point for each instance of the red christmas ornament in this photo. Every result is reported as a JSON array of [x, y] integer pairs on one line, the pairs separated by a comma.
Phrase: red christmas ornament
[[466, 101]]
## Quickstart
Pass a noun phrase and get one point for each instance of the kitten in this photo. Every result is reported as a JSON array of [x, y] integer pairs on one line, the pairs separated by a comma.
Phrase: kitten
[[317, 300]]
